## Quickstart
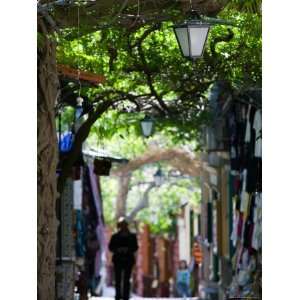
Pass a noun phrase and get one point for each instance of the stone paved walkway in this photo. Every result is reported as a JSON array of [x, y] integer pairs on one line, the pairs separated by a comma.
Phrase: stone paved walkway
[[109, 294]]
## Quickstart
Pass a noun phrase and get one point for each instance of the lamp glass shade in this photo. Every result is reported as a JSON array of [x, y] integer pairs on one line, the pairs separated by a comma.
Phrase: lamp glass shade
[[147, 126], [191, 37], [182, 37], [78, 112], [198, 37], [158, 177]]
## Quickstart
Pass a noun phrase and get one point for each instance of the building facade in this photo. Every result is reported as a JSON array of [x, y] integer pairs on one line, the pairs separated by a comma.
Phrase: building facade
[[232, 196]]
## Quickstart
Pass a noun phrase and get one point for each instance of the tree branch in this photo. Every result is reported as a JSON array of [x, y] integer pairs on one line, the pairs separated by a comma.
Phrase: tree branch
[[147, 71], [226, 38], [178, 158], [91, 13], [124, 183], [80, 137], [143, 203]]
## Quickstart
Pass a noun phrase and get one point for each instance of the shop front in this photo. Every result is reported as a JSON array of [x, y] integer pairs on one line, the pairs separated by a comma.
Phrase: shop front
[[232, 197]]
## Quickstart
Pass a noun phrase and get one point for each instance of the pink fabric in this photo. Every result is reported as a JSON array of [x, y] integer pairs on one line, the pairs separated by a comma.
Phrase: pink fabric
[[100, 230], [240, 225]]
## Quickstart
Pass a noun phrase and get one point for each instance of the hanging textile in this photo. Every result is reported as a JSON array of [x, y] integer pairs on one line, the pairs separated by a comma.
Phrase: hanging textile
[[245, 127], [100, 229], [257, 124]]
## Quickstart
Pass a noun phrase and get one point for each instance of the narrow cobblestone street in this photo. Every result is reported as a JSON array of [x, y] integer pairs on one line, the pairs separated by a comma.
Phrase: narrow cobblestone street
[[109, 293]]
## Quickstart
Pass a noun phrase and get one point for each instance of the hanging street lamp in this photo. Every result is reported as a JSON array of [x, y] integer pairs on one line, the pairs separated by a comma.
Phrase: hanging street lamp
[[192, 35], [158, 178], [78, 113], [79, 108], [147, 125]]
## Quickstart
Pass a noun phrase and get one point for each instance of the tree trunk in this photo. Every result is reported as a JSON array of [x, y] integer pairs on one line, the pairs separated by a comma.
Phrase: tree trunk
[[47, 88], [80, 137], [143, 203], [122, 195]]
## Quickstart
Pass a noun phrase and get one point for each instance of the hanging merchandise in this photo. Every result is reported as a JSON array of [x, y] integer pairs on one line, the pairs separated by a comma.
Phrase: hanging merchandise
[[248, 126], [233, 147], [252, 264], [89, 227], [257, 124], [66, 141], [253, 174], [95, 188], [102, 167], [244, 194], [99, 225], [243, 277], [257, 231], [249, 134], [234, 235], [80, 235], [246, 235], [240, 225]]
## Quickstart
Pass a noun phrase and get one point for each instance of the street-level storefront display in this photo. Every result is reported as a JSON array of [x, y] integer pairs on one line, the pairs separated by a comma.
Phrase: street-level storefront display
[[89, 235], [81, 238], [246, 165], [231, 225]]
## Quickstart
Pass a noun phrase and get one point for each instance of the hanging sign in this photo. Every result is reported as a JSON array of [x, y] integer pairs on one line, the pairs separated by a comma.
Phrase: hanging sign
[[102, 167]]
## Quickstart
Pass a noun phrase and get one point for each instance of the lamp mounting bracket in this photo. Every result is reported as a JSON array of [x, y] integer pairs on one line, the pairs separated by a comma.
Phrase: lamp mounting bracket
[[193, 15]]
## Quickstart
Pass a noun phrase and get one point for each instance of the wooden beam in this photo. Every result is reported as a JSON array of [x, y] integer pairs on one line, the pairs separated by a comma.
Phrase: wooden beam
[[70, 72]]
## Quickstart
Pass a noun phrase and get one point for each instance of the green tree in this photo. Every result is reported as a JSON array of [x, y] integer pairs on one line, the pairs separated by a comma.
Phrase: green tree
[[145, 73]]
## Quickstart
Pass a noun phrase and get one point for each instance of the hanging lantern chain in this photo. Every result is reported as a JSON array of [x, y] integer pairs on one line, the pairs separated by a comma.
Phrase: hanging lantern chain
[[138, 13], [78, 35]]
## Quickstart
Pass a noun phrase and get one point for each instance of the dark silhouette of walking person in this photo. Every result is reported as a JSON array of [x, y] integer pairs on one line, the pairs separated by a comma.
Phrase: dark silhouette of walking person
[[123, 245]]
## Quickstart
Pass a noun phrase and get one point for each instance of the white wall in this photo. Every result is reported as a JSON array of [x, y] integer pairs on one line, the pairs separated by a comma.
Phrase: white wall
[[184, 235]]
